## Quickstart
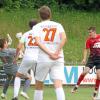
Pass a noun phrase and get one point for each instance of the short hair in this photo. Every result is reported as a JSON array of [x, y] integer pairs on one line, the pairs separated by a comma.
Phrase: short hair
[[92, 28], [32, 23], [45, 12], [2, 42]]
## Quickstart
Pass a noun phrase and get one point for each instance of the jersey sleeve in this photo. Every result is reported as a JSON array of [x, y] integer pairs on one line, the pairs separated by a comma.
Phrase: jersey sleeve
[[22, 40], [61, 29], [87, 44]]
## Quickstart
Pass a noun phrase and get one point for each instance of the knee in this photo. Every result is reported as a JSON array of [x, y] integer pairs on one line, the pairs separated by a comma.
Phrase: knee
[[57, 83], [39, 85], [18, 74]]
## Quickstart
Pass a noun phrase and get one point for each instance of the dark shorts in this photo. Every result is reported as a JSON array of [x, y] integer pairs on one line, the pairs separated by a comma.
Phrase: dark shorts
[[93, 61], [11, 70]]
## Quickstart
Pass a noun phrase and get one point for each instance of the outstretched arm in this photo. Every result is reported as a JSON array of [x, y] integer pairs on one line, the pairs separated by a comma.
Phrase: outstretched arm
[[19, 47], [9, 39]]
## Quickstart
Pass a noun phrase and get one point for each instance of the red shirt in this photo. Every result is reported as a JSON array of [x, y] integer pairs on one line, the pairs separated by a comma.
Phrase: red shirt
[[94, 45]]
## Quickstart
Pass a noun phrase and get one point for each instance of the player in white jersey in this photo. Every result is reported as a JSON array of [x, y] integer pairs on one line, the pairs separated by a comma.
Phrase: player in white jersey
[[50, 37], [29, 59]]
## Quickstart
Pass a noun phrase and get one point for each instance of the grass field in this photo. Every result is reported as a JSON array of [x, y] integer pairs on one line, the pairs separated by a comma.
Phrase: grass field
[[84, 93], [75, 23]]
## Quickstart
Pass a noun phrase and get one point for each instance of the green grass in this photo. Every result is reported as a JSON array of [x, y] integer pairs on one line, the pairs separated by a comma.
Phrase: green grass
[[75, 23], [84, 93]]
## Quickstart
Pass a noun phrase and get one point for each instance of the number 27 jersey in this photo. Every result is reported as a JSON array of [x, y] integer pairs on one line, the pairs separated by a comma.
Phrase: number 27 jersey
[[50, 33]]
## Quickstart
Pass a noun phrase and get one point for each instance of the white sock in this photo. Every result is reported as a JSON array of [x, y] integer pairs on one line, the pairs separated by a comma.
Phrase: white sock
[[38, 95], [60, 93], [17, 83]]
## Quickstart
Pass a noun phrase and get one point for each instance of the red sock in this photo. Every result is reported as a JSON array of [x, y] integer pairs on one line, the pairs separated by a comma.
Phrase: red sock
[[80, 79], [97, 83]]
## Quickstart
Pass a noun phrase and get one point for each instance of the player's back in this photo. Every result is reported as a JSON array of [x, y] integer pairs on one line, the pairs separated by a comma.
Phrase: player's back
[[50, 33], [31, 49]]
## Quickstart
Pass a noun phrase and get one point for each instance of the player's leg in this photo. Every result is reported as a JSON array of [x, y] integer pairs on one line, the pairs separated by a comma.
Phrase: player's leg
[[99, 92], [89, 65], [81, 77], [23, 69], [38, 94], [97, 84], [17, 83], [59, 90], [27, 83], [6, 85], [40, 75], [57, 75], [26, 87]]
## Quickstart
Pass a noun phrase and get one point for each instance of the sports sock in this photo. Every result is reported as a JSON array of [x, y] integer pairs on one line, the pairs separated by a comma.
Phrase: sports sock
[[97, 84], [38, 95], [6, 84], [80, 79], [26, 85], [17, 83], [60, 93]]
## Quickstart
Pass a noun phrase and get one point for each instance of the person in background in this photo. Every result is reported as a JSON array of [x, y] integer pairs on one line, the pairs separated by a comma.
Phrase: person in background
[[7, 55], [92, 46], [50, 37], [29, 59]]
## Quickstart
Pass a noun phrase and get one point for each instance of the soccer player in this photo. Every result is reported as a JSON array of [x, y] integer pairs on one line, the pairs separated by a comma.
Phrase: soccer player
[[93, 45], [7, 55], [29, 59], [50, 37]]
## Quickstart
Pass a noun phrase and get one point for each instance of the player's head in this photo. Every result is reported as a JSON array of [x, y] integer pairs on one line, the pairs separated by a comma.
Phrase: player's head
[[3, 43], [32, 23], [45, 12], [92, 32]]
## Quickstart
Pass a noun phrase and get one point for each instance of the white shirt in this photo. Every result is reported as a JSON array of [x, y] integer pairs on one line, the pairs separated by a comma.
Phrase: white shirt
[[31, 49], [50, 33]]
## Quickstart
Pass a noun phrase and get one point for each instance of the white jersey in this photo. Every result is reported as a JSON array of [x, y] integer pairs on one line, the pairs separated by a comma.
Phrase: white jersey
[[31, 49], [50, 33]]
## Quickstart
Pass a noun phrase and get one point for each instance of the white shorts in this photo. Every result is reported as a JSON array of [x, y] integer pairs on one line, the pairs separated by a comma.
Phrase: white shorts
[[26, 65], [55, 70]]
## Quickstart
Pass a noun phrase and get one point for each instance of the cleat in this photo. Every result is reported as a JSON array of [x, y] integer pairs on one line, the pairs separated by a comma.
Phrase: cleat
[[3, 96], [74, 89], [15, 98], [94, 95], [24, 95]]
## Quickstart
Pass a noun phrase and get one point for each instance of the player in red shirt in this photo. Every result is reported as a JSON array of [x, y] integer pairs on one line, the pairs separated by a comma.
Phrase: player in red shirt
[[93, 46]]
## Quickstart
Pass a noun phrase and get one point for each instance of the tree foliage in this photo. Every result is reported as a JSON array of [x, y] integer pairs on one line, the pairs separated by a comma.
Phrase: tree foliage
[[17, 4]]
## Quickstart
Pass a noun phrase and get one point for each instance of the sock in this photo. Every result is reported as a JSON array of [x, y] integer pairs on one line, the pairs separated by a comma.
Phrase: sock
[[60, 93], [17, 83], [6, 85], [26, 85], [80, 79], [97, 84], [38, 95]]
